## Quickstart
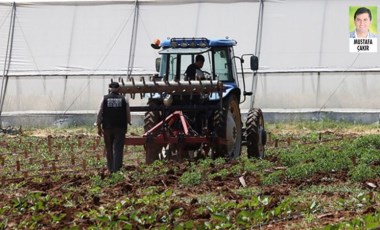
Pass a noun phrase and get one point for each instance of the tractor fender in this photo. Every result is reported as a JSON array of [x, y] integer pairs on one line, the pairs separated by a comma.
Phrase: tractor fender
[[228, 88]]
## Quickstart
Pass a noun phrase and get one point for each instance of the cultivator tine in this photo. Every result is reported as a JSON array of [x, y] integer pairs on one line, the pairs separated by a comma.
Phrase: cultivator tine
[[142, 79], [154, 83], [133, 84], [154, 80], [171, 87]]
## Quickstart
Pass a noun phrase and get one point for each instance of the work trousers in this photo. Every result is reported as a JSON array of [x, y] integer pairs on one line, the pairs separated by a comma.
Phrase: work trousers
[[114, 142]]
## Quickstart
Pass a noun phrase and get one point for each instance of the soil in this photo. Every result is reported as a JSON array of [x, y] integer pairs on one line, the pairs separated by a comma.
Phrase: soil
[[53, 186]]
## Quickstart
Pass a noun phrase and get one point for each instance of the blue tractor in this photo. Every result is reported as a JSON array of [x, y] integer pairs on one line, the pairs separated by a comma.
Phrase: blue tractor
[[199, 115]]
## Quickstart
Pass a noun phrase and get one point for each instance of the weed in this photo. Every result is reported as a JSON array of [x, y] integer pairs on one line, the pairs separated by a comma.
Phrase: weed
[[220, 161], [369, 141], [236, 169], [257, 165], [333, 163], [204, 164], [223, 173], [370, 156], [275, 177], [248, 192], [300, 171], [292, 157], [341, 188], [190, 178], [361, 172]]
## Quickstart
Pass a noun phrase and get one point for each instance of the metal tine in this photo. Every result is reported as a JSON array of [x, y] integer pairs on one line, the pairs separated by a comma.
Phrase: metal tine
[[166, 81], [133, 96], [129, 78], [122, 82], [191, 95], [142, 79], [155, 83], [154, 80]]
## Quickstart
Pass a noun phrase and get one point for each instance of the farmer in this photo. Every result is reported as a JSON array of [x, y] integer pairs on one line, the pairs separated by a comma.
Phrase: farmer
[[112, 121], [193, 71]]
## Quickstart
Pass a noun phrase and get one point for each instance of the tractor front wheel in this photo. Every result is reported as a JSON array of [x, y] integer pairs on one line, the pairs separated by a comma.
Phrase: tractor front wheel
[[151, 119], [256, 135], [228, 130]]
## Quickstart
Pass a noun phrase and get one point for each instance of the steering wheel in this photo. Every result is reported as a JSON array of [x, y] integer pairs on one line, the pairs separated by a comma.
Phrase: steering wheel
[[207, 75]]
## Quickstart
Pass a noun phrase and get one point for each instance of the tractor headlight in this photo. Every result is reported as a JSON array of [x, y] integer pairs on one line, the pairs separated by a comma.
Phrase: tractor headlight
[[168, 100]]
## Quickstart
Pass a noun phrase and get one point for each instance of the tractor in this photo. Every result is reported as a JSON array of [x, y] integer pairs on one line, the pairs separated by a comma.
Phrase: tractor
[[196, 118]]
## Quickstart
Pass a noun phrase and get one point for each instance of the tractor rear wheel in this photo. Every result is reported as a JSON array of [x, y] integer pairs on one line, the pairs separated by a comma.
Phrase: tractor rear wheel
[[151, 119], [228, 128], [256, 135]]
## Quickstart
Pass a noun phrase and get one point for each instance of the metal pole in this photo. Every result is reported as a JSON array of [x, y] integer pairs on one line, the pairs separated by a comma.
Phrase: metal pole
[[257, 49], [7, 60], [132, 47]]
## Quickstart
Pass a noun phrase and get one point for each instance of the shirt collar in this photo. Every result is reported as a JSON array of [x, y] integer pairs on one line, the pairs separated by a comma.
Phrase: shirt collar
[[356, 36]]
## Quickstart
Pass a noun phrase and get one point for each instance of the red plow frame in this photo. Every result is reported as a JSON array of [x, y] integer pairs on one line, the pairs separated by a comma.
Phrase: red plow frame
[[164, 134], [174, 129]]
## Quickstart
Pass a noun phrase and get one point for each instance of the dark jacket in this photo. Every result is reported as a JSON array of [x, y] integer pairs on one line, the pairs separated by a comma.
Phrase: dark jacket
[[114, 111], [190, 72]]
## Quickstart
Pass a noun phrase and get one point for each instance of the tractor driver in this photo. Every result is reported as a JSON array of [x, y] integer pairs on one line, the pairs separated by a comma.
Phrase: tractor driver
[[193, 71]]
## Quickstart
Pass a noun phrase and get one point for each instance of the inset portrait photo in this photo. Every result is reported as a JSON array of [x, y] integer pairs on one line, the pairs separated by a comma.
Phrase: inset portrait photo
[[363, 21], [363, 31]]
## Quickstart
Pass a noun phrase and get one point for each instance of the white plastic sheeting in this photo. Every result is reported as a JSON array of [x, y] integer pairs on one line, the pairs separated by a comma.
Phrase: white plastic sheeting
[[64, 53], [69, 39]]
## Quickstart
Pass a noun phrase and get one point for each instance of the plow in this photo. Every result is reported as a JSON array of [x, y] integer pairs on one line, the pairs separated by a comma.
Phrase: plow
[[196, 118]]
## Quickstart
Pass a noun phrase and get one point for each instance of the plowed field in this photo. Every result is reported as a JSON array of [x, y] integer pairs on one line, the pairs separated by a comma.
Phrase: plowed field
[[311, 177]]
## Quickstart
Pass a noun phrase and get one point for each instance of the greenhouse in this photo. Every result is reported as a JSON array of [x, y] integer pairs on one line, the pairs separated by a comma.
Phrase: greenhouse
[[57, 57]]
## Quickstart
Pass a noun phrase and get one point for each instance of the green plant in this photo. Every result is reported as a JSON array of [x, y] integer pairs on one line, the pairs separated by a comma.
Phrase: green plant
[[190, 178], [361, 172], [300, 171], [275, 177], [333, 163], [223, 173], [368, 141]]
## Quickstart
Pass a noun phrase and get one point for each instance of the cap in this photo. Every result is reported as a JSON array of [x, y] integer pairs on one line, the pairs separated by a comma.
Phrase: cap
[[114, 85]]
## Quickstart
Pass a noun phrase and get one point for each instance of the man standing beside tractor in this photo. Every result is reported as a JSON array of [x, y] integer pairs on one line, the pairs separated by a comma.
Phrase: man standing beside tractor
[[112, 121]]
